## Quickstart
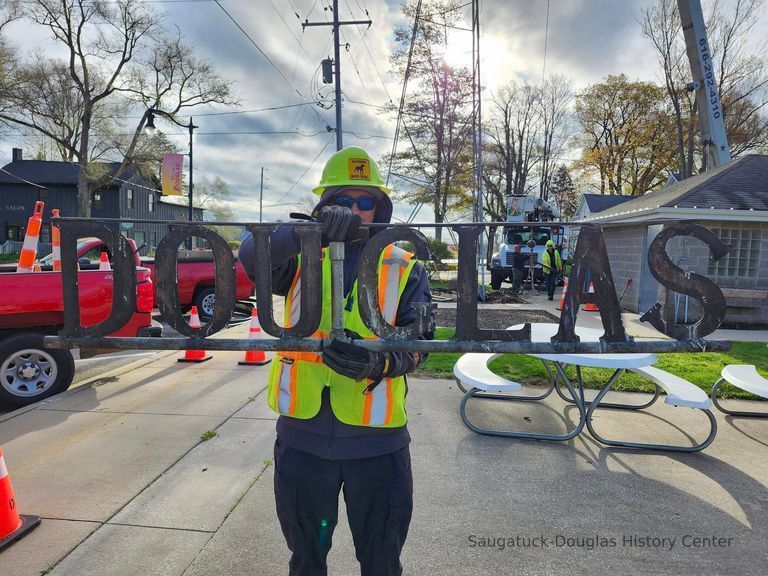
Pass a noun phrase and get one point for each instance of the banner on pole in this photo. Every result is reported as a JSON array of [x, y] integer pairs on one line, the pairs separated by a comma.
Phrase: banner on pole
[[173, 165]]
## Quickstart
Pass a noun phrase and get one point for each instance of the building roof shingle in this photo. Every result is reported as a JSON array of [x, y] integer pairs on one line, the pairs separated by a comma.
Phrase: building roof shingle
[[600, 202], [741, 184], [50, 173]]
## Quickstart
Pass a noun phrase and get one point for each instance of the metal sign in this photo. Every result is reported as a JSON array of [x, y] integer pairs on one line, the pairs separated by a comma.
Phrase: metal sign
[[591, 258]]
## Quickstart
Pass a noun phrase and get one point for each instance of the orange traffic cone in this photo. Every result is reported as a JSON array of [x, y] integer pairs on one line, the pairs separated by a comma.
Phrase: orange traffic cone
[[29, 248], [591, 306], [12, 524], [56, 243], [562, 296], [254, 357], [194, 355], [104, 263]]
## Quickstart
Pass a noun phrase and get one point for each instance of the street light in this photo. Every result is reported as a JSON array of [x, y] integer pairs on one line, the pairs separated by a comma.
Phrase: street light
[[150, 129]]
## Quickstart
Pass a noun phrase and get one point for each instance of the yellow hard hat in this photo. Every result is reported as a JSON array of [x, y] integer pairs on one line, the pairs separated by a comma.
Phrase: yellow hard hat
[[351, 166]]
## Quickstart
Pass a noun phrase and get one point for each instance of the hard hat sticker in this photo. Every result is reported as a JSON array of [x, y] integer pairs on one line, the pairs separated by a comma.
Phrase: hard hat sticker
[[359, 169]]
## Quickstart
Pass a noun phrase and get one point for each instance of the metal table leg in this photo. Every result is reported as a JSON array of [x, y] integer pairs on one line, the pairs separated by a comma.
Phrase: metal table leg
[[596, 403], [473, 392], [615, 405], [743, 413]]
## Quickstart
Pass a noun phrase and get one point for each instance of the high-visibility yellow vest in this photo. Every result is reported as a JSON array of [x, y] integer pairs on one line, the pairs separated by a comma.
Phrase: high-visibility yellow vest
[[297, 379], [547, 264]]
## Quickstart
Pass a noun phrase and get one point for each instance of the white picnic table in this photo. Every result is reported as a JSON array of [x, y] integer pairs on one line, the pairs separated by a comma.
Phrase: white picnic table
[[477, 381]]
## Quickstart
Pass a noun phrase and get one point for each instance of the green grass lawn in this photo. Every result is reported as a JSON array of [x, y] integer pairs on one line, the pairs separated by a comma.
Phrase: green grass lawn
[[5, 258], [703, 369]]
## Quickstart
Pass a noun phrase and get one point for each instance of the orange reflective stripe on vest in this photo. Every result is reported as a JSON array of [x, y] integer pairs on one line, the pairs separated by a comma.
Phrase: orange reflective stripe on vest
[[378, 405]]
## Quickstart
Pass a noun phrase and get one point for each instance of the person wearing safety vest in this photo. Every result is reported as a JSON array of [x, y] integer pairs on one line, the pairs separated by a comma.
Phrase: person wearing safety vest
[[551, 264], [342, 420]]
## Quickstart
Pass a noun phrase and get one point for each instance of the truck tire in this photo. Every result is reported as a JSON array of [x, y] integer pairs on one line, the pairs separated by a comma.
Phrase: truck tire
[[497, 277], [29, 372], [205, 300]]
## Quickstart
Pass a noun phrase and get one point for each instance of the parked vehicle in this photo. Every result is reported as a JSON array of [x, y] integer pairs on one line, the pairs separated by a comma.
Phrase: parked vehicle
[[32, 307], [532, 239], [196, 275]]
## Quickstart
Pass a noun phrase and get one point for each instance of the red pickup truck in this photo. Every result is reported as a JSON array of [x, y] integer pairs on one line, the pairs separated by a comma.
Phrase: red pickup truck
[[32, 307], [196, 277]]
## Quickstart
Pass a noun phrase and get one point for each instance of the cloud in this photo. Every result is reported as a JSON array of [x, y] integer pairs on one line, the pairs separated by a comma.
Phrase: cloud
[[586, 40]]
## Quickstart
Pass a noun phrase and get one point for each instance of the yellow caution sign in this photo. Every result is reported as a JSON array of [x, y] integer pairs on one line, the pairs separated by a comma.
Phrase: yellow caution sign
[[359, 169]]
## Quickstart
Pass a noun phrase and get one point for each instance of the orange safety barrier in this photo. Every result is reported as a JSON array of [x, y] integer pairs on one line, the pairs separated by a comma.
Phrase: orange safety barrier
[[562, 296], [12, 524], [56, 243], [591, 306], [255, 357], [194, 356], [29, 248]]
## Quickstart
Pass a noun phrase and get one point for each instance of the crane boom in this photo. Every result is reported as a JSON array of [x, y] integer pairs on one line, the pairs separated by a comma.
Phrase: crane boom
[[713, 134]]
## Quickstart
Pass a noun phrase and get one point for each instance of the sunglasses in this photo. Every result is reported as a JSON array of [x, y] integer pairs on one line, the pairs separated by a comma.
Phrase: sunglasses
[[364, 203]]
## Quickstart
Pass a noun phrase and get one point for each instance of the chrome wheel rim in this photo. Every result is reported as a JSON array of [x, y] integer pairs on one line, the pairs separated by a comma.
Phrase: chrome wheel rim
[[28, 372], [208, 304]]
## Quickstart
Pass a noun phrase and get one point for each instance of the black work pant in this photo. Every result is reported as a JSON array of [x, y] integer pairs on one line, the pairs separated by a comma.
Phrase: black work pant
[[378, 493], [551, 280]]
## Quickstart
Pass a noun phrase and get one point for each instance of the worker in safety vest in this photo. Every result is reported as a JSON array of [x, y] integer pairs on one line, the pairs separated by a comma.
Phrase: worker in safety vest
[[337, 426], [551, 265]]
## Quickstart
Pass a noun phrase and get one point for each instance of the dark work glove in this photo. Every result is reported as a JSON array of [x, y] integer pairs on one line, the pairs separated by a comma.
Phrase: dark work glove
[[340, 224], [353, 361]]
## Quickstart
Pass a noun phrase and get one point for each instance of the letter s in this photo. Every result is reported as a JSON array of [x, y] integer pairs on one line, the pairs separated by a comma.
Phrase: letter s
[[699, 287]]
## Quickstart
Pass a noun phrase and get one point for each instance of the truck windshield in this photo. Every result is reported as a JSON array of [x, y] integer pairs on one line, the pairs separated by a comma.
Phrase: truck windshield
[[522, 235]]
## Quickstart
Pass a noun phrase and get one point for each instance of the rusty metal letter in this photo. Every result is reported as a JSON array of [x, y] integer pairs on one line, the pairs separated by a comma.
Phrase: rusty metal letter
[[311, 290], [166, 261], [466, 307], [368, 285], [695, 285], [591, 254], [123, 278]]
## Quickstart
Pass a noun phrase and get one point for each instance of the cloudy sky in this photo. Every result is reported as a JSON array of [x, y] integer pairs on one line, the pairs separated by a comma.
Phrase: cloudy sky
[[586, 40]]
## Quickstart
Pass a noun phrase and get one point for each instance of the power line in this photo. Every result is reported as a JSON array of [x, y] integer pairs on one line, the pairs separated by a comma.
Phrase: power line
[[405, 84], [290, 30], [250, 111], [370, 56], [362, 83], [252, 41], [305, 171]]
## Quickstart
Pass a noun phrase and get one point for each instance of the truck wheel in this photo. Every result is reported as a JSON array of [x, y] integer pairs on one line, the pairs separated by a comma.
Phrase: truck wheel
[[205, 300], [497, 277], [29, 372]]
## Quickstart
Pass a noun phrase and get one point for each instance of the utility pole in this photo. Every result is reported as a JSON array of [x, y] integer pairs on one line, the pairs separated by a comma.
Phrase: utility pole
[[261, 194], [337, 61], [477, 141]]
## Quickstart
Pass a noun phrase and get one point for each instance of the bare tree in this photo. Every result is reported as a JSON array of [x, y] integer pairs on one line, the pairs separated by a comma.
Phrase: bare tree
[[742, 76], [119, 58], [8, 60], [436, 118], [555, 100], [514, 130]]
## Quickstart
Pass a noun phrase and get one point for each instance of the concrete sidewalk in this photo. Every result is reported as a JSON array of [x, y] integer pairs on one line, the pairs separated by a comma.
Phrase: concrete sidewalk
[[126, 486]]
